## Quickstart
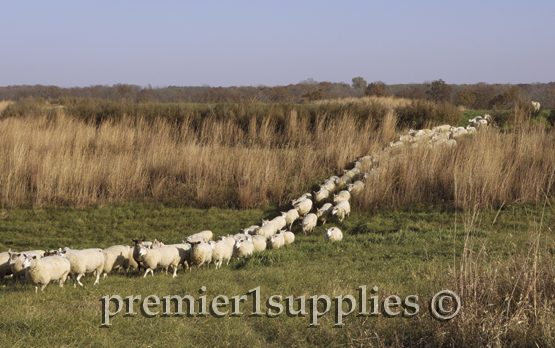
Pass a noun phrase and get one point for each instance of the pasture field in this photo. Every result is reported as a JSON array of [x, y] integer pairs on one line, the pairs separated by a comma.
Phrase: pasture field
[[417, 251]]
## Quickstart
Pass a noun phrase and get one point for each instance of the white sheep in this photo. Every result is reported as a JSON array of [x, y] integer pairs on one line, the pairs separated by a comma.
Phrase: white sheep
[[442, 129], [5, 267], [266, 230], [328, 185], [290, 216], [162, 257], [44, 270], [304, 207], [223, 251], [184, 251], [259, 243], [301, 198], [450, 143], [16, 261], [156, 244], [288, 237], [279, 222], [324, 212], [204, 235], [333, 234], [309, 223], [341, 209], [243, 248], [356, 187], [132, 262], [535, 106], [201, 254], [343, 181], [321, 196], [84, 261], [341, 196], [470, 129], [115, 257], [458, 131], [276, 241], [352, 172], [251, 230]]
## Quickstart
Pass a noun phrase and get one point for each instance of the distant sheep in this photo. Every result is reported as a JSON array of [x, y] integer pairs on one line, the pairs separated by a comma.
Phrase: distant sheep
[[44, 270], [324, 212], [115, 257], [356, 187], [341, 196], [333, 234], [243, 248], [321, 196], [290, 216], [309, 223], [535, 106], [288, 237], [201, 254], [304, 207], [276, 241], [341, 210], [301, 198], [5, 267], [85, 261], [205, 236], [162, 257], [260, 243], [223, 251]]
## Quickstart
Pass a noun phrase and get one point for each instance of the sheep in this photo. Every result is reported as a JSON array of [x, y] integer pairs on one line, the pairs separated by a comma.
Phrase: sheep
[[115, 257], [44, 270], [309, 223], [243, 248], [324, 212], [343, 181], [132, 263], [85, 261], [251, 230], [16, 261], [156, 244], [328, 185], [201, 253], [470, 129], [276, 241], [223, 251], [351, 173], [204, 235], [535, 106], [450, 143], [266, 230], [355, 188], [321, 196], [288, 237], [304, 207], [341, 209], [241, 236], [5, 267], [301, 198], [259, 243], [279, 222], [442, 129], [290, 216], [162, 257], [333, 234], [184, 251], [341, 196]]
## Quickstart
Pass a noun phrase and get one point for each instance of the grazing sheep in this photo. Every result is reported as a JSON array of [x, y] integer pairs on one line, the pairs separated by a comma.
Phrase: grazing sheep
[[290, 216], [44, 270], [162, 257], [304, 207], [535, 106], [288, 237], [341, 209], [243, 248], [201, 254], [115, 257], [251, 230], [276, 241], [259, 243], [324, 212], [309, 223], [205, 236], [16, 261], [356, 188], [84, 261], [321, 196], [333, 234], [341, 196], [5, 267], [223, 251]]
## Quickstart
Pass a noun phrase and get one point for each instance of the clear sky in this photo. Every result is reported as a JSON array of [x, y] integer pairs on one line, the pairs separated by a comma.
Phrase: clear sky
[[251, 43]]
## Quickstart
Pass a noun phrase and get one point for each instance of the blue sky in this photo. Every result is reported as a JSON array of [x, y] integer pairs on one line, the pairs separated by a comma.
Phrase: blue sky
[[251, 43]]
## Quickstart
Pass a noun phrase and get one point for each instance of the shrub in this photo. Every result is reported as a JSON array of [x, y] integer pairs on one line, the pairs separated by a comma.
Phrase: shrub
[[420, 114]]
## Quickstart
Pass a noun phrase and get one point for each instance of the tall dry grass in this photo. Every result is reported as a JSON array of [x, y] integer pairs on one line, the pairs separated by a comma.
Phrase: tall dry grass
[[56, 159], [4, 104], [390, 102]]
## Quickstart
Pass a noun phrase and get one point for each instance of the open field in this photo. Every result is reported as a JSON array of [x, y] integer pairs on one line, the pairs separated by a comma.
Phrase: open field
[[408, 252]]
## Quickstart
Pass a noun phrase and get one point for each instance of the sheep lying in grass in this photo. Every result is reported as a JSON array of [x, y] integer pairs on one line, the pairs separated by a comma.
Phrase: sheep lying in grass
[[16, 261], [290, 216], [44, 270], [333, 234], [309, 223], [162, 257], [201, 254], [85, 261], [205, 236], [115, 258], [304, 207], [341, 209], [276, 241], [324, 212]]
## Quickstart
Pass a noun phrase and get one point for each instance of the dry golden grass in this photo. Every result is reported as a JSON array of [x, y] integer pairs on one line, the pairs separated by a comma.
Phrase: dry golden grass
[[390, 102], [4, 104]]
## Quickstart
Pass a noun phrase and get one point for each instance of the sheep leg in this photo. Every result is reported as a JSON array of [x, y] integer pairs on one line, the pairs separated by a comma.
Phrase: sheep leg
[[79, 277], [174, 270], [97, 278]]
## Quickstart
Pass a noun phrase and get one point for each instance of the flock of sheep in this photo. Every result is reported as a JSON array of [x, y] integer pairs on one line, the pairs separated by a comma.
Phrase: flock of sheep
[[331, 200]]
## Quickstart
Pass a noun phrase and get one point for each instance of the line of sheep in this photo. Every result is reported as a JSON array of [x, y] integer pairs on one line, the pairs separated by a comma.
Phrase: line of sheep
[[331, 200]]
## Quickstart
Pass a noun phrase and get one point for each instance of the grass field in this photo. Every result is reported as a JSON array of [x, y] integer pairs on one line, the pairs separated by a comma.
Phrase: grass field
[[408, 252]]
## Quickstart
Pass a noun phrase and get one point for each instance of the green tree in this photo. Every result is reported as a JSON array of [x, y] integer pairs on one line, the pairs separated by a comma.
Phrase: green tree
[[359, 83], [438, 91], [466, 98]]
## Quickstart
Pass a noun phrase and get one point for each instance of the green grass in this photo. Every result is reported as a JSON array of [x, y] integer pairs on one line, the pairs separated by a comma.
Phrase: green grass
[[403, 253]]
